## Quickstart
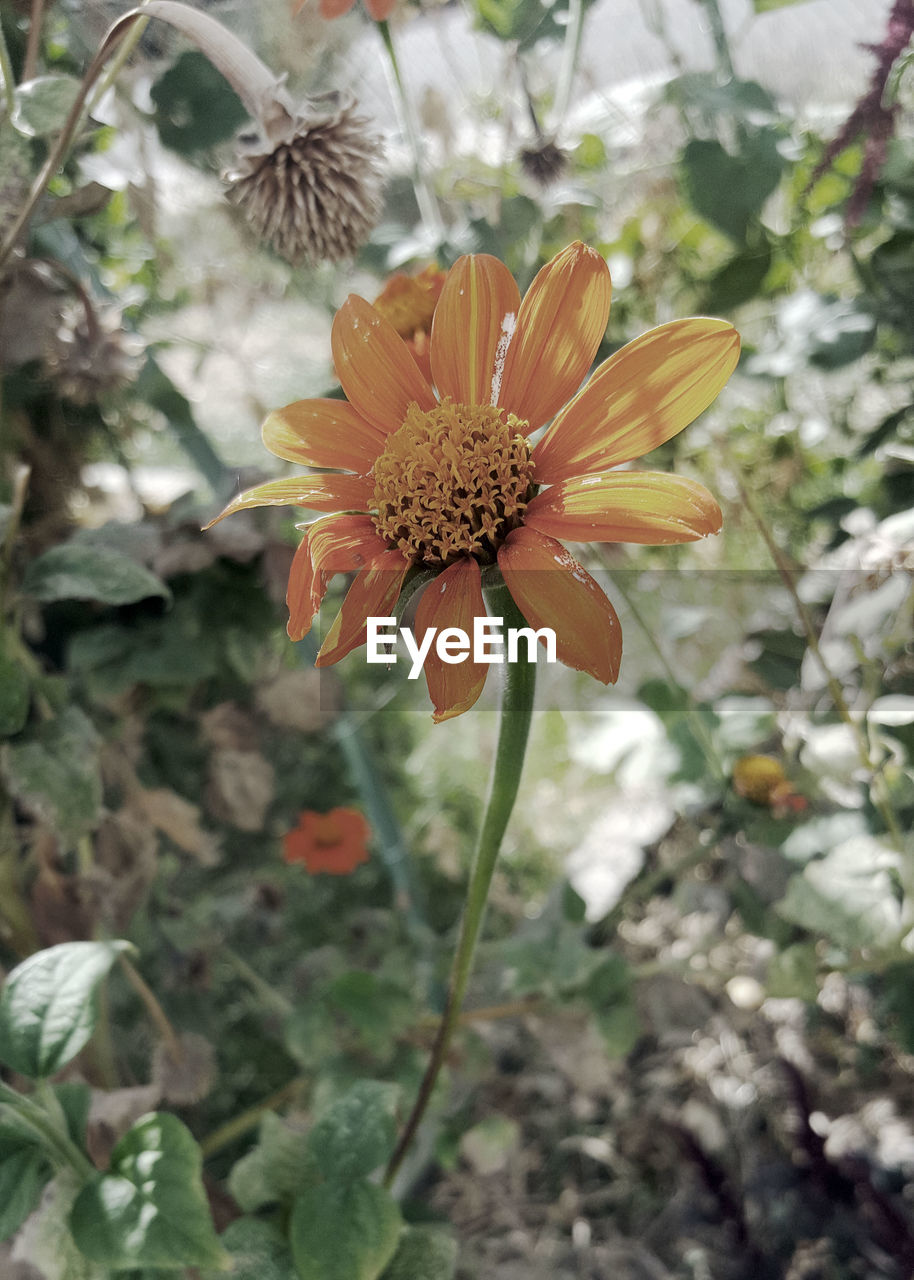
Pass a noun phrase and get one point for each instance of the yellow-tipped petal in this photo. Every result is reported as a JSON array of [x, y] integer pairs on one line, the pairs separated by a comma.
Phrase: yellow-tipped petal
[[317, 493], [373, 595], [625, 506], [638, 398], [454, 599], [376, 371], [323, 433], [552, 590], [560, 325], [475, 316]]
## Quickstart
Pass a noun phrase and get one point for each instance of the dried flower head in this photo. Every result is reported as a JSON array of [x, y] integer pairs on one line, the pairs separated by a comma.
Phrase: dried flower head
[[312, 188], [89, 355], [545, 162]]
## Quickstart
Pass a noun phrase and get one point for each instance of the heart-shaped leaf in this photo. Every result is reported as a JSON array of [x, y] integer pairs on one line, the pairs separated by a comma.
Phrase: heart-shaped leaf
[[47, 1010], [344, 1231], [356, 1133], [150, 1209]]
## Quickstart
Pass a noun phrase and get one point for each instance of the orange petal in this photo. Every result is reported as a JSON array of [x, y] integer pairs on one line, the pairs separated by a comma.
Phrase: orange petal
[[560, 325], [299, 596], [373, 595], [552, 590], [454, 599], [335, 544], [335, 8], [380, 10], [317, 493], [639, 397], [625, 506], [323, 433], [476, 312], [376, 371]]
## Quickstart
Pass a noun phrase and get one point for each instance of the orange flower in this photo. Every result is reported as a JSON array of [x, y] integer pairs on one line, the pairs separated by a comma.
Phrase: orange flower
[[762, 780], [449, 481], [380, 10], [409, 302], [333, 842]]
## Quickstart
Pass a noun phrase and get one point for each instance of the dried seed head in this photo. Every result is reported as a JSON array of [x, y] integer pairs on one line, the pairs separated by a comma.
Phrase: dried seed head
[[89, 355], [544, 163], [313, 191]]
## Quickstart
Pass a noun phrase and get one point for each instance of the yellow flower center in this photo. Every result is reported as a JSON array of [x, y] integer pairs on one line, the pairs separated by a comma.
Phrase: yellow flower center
[[453, 481]]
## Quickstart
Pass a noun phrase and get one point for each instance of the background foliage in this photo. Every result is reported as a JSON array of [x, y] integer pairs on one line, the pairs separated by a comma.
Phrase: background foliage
[[691, 1035]]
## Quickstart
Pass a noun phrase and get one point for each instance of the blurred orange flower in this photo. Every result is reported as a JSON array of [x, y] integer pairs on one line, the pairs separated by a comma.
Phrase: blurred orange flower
[[447, 480], [334, 842], [762, 780], [409, 302], [380, 10]]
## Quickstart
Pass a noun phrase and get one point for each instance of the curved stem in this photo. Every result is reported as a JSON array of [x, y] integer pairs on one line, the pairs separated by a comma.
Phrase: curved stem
[[516, 712], [428, 206], [570, 51], [7, 76]]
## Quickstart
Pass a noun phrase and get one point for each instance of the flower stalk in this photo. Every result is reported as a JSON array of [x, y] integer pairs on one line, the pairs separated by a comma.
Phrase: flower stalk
[[516, 713], [428, 206]]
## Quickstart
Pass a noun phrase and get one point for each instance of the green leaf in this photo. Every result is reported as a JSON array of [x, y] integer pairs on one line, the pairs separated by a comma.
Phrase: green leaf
[[259, 1252], [377, 1007], [850, 896], [150, 1209], [78, 571], [277, 1167], [15, 687], [730, 190], [54, 774], [738, 281], [24, 1170], [46, 1240], [47, 1011], [195, 106], [765, 6], [41, 106], [344, 1231], [424, 1253], [356, 1133]]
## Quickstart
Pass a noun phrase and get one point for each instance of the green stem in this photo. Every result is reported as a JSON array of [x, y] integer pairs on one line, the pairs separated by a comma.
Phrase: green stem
[[41, 1114], [516, 712], [719, 36], [7, 76], [428, 205], [269, 995], [571, 49], [241, 1124]]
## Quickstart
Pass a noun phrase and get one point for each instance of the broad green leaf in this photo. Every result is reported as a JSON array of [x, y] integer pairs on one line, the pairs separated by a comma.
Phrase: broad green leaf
[[424, 1253], [765, 6], [377, 1007], [729, 190], [47, 1009], [41, 106], [344, 1231], [356, 1133], [54, 773], [259, 1252], [15, 688], [195, 106], [24, 1170], [278, 1167], [78, 571], [150, 1209], [850, 896], [46, 1240]]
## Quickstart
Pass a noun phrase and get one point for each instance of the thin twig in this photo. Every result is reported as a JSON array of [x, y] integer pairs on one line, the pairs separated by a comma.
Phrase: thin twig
[[156, 1013], [36, 22]]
